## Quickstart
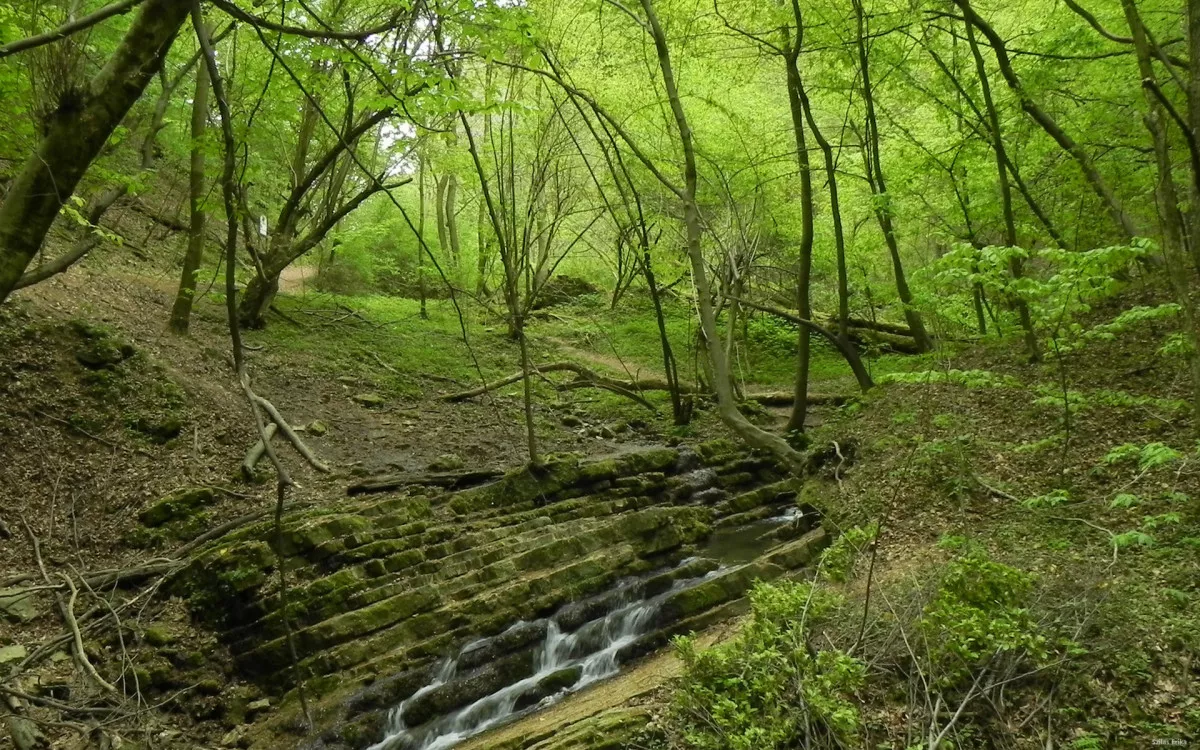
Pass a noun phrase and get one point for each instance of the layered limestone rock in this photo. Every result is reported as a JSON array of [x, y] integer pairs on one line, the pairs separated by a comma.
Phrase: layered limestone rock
[[385, 588]]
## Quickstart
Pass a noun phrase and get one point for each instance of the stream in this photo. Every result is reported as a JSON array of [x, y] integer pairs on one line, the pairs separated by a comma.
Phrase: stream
[[579, 658]]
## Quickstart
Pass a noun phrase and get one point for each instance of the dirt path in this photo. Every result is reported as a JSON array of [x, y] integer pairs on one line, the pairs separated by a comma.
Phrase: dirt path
[[627, 368], [297, 279]]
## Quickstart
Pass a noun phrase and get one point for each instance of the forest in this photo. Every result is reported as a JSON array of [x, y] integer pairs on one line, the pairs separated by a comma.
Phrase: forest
[[591, 374]]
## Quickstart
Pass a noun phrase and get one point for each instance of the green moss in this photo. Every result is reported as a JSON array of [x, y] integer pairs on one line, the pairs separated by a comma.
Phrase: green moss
[[158, 636], [176, 506]]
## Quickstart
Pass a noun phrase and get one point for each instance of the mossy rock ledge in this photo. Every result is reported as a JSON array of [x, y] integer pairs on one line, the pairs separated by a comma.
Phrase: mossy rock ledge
[[385, 587]]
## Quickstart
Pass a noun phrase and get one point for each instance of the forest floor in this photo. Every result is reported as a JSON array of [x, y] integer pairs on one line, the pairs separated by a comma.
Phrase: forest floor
[[1095, 493]]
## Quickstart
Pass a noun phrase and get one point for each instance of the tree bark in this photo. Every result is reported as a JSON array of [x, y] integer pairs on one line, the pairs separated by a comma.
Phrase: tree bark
[[1010, 224], [1168, 204], [421, 238], [883, 213], [1193, 91], [726, 404], [452, 218], [839, 237], [181, 311], [76, 135], [804, 262]]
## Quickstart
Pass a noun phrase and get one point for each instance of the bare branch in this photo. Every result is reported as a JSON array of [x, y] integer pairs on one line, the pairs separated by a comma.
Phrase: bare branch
[[67, 29]]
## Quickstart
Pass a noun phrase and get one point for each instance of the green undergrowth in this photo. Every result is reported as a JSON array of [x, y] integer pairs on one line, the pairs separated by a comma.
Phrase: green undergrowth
[[1038, 564]]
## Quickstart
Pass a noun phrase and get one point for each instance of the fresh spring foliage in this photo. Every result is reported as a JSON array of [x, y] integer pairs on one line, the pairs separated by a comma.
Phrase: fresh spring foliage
[[767, 686]]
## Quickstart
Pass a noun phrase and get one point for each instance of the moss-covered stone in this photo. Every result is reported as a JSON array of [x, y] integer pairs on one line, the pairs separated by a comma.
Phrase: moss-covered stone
[[158, 636], [177, 506], [469, 688], [799, 552], [551, 684]]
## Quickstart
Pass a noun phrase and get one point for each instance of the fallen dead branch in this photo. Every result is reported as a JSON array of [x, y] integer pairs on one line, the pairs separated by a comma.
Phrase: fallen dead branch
[[787, 398], [289, 433], [453, 480], [79, 651], [255, 454], [585, 379]]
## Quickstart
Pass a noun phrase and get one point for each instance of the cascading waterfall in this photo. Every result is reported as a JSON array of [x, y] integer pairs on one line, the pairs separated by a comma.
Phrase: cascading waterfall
[[593, 648]]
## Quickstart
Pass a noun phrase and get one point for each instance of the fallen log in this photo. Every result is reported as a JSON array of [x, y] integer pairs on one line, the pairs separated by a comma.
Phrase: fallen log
[[451, 480], [896, 329], [787, 398], [884, 341], [586, 378]]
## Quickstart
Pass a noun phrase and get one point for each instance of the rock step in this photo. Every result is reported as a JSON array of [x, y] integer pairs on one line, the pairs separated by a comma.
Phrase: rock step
[[476, 570], [532, 575]]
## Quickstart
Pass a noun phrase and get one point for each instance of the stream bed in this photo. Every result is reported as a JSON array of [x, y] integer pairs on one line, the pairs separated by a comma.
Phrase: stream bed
[[574, 649]]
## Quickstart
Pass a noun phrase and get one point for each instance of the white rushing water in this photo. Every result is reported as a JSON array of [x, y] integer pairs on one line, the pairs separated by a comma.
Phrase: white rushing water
[[592, 648]]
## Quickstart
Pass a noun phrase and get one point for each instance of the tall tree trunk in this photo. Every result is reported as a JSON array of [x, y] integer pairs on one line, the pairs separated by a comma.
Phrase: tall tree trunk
[[439, 211], [1168, 204], [839, 237], [181, 311], [726, 405], [1193, 92], [75, 136], [1010, 224], [535, 458], [681, 411], [804, 262], [421, 235], [483, 250], [1048, 124], [452, 218], [883, 211]]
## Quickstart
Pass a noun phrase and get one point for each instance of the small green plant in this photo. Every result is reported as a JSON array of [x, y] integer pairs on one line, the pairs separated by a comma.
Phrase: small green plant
[[967, 378], [839, 558], [767, 687], [1051, 499], [947, 464], [1132, 538], [1125, 500], [979, 613], [1148, 457]]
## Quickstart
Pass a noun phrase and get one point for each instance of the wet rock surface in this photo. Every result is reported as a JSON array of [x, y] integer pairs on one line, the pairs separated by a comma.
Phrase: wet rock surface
[[388, 588]]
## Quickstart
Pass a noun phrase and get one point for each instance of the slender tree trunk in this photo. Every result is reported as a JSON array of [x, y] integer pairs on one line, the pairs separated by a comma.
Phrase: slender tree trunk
[[839, 237], [804, 263], [483, 249], [530, 429], [181, 312], [726, 405], [883, 211], [439, 215], [1193, 92], [452, 218], [74, 137], [1010, 224], [682, 414], [1168, 204], [421, 233]]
